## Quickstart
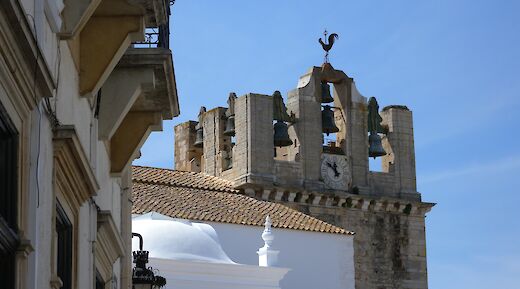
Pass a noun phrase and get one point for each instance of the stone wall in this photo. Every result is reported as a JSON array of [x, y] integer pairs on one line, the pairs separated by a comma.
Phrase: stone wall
[[389, 247], [399, 143], [215, 142], [187, 157], [253, 158]]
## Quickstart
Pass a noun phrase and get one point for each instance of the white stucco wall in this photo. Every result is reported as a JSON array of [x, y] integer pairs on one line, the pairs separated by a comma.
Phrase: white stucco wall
[[189, 255], [186, 256], [204, 275], [316, 260], [71, 109]]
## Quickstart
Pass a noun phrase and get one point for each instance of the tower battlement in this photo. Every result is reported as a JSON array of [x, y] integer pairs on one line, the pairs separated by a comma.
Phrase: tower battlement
[[250, 158]]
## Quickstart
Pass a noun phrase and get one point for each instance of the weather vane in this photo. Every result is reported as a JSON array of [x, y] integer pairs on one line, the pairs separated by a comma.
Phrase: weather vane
[[328, 46]]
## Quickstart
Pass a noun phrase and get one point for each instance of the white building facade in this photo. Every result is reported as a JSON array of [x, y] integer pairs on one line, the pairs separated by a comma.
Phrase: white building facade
[[79, 95], [189, 255], [316, 260]]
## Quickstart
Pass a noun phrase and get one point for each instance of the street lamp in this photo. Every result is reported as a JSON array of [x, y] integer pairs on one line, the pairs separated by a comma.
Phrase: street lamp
[[142, 277]]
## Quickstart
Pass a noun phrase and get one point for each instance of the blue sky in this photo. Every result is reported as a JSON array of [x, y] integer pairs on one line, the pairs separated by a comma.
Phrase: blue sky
[[455, 64]]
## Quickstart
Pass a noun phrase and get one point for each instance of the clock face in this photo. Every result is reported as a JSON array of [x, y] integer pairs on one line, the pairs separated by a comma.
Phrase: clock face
[[335, 171]]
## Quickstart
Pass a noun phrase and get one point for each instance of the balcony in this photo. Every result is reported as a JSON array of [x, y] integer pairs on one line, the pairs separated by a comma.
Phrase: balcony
[[141, 92], [155, 37]]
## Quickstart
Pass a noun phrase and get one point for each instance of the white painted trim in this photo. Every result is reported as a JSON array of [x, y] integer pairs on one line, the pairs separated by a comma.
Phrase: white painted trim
[[188, 274]]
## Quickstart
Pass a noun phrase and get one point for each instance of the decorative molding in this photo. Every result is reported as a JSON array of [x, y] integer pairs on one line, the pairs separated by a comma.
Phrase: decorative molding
[[109, 244], [343, 200], [73, 174], [24, 248], [163, 96], [222, 275]]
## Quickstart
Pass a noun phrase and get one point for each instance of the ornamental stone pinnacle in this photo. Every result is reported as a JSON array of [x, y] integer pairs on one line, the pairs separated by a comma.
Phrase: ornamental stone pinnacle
[[267, 235], [267, 257]]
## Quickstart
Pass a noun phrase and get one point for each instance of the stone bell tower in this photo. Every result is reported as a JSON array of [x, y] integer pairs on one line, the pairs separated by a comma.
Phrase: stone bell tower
[[275, 150]]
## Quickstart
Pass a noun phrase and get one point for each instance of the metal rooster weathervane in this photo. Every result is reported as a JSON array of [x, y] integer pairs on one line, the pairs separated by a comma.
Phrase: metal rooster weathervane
[[328, 46]]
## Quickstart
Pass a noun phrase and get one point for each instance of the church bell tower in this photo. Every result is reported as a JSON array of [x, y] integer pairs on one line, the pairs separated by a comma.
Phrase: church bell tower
[[311, 152]]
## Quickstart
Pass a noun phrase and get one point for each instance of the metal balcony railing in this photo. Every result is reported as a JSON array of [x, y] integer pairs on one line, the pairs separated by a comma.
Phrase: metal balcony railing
[[155, 37]]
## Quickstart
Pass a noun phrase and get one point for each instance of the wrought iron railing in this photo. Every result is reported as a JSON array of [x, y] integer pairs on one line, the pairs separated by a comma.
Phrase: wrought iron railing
[[159, 36], [155, 37]]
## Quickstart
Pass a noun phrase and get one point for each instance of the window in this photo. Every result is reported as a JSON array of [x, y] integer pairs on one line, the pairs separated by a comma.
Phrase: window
[[99, 281], [64, 238], [8, 199]]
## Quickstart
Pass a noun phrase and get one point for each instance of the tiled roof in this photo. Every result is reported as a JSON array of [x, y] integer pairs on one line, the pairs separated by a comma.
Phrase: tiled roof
[[180, 179], [195, 196]]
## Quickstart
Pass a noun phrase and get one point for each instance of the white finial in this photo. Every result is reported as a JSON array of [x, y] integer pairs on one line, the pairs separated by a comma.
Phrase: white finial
[[268, 223], [267, 235], [267, 257]]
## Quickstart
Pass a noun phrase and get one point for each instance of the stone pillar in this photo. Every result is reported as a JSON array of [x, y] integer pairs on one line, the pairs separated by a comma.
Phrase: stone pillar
[[399, 145], [359, 135], [304, 102], [352, 137], [126, 229], [214, 124], [253, 158], [187, 156]]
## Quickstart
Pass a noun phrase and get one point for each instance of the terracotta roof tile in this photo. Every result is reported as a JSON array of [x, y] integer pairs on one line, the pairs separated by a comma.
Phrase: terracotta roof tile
[[200, 197], [180, 179]]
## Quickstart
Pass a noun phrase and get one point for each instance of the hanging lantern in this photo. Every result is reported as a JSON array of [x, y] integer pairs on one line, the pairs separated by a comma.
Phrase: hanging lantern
[[143, 277]]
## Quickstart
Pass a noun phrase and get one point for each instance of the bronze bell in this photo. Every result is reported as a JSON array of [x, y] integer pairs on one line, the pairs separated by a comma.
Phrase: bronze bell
[[325, 93], [199, 138], [230, 126], [375, 148], [281, 134], [327, 121]]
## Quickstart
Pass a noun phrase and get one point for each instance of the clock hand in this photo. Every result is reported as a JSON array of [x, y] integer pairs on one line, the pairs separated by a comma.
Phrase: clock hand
[[334, 168], [336, 173]]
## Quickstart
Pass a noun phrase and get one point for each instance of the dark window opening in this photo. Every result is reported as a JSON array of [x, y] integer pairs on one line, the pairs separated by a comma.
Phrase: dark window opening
[[99, 281], [64, 232], [8, 199], [7, 265]]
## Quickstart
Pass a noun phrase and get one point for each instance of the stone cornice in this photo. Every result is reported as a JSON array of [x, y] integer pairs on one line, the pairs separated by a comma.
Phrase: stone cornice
[[343, 200], [163, 97], [109, 245], [73, 173]]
